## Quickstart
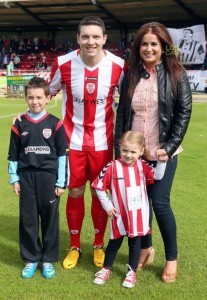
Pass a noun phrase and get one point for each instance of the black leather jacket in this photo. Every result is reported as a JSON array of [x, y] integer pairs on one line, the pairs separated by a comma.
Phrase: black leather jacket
[[174, 113]]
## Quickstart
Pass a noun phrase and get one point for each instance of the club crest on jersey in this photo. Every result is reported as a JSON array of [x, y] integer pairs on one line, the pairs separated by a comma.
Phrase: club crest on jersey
[[47, 133], [90, 87]]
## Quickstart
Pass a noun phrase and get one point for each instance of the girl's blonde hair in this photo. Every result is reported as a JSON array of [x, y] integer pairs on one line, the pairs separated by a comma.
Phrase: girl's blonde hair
[[135, 137]]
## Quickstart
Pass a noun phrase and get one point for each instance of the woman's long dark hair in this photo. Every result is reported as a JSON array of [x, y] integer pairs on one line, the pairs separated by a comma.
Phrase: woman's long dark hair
[[173, 67]]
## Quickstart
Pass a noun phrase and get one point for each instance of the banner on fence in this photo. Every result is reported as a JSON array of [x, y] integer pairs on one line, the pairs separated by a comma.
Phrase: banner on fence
[[198, 80], [190, 44]]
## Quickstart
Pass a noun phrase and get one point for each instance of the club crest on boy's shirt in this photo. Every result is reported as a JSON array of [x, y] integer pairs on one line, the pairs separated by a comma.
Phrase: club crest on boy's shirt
[[47, 133]]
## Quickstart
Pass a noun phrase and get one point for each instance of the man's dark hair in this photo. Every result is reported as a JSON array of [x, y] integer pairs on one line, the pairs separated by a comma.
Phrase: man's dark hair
[[92, 20], [37, 83], [191, 31]]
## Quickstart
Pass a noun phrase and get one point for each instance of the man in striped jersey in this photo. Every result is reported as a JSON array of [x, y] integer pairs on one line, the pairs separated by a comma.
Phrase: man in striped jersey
[[190, 51], [88, 77]]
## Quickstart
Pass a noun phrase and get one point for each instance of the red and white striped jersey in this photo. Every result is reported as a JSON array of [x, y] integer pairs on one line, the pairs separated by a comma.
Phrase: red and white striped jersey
[[127, 186], [88, 98]]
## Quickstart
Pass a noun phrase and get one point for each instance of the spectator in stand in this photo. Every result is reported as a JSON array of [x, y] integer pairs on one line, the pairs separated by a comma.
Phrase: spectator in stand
[[33, 66], [36, 45], [12, 54], [6, 60], [16, 44], [36, 48], [38, 65], [28, 47], [43, 65], [10, 68], [127, 53], [22, 44], [36, 40], [17, 61], [3, 51], [131, 42], [12, 43], [122, 44], [20, 51]]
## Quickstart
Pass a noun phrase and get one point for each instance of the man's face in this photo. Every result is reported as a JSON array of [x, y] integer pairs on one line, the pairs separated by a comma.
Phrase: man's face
[[187, 36], [91, 40]]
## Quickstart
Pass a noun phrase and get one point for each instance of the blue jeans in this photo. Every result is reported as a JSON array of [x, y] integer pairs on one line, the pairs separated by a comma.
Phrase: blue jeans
[[159, 196]]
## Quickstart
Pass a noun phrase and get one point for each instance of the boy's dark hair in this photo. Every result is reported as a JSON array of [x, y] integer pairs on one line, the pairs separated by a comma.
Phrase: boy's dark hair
[[37, 83], [92, 20]]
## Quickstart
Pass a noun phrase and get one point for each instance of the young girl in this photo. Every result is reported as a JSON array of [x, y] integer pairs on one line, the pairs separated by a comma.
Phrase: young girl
[[126, 179]]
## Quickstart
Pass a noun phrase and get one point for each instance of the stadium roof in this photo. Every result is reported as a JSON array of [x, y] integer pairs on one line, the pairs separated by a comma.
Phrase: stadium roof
[[47, 15]]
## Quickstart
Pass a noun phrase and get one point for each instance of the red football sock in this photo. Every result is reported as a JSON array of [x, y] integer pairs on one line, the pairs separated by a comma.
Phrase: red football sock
[[99, 217], [75, 210]]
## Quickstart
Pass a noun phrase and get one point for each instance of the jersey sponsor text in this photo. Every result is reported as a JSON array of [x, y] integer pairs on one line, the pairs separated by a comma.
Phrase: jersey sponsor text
[[38, 149]]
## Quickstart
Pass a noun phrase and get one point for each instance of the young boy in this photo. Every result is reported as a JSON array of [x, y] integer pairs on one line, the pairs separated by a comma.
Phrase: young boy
[[38, 172]]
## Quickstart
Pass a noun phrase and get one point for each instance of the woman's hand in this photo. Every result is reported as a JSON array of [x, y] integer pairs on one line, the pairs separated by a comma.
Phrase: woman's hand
[[162, 155]]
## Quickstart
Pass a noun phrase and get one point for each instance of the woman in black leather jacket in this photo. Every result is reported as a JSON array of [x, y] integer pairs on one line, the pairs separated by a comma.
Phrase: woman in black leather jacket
[[156, 100]]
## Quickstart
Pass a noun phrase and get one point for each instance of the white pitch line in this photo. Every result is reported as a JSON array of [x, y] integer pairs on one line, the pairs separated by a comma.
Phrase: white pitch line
[[7, 116]]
